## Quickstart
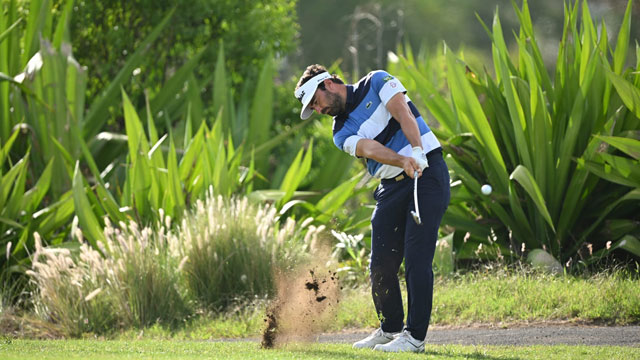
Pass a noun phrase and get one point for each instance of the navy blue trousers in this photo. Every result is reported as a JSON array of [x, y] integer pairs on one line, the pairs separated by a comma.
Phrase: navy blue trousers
[[395, 236]]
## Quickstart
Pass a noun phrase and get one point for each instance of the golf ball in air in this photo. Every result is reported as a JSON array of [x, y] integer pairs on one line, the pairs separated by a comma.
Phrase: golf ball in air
[[486, 189]]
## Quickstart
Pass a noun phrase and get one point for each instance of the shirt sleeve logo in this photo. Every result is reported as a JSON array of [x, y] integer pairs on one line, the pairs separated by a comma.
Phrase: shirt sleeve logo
[[387, 78], [393, 84]]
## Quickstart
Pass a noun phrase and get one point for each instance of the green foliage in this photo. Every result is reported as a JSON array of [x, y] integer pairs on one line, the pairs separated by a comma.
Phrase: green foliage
[[105, 33], [43, 127], [352, 253], [232, 249], [541, 141], [132, 281], [132, 176], [222, 252]]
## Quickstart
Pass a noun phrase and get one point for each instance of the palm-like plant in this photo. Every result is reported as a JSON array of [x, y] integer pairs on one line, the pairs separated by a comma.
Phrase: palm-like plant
[[539, 140]]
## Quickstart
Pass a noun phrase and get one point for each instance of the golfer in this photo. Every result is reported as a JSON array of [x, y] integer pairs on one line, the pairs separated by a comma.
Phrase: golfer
[[375, 119]]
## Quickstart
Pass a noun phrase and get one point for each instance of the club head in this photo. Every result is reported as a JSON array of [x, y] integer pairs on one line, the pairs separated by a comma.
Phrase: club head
[[416, 218]]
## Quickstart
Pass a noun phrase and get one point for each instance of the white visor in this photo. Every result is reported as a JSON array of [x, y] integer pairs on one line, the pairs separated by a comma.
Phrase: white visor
[[305, 93]]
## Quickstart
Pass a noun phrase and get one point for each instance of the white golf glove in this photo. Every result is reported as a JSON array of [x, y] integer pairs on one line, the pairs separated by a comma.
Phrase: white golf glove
[[418, 155]]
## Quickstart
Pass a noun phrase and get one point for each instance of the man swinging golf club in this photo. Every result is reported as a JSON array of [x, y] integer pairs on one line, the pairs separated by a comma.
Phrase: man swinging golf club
[[376, 120]]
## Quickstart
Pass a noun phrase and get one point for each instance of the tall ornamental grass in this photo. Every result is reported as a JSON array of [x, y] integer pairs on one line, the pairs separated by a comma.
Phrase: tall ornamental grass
[[231, 248], [559, 149], [133, 281], [224, 252]]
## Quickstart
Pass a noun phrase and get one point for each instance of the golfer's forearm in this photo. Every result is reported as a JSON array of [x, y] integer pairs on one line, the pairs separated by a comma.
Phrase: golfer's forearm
[[400, 111], [372, 149]]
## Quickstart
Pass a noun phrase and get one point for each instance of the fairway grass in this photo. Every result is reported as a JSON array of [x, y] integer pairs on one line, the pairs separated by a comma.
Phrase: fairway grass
[[495, 298], [164, 349]]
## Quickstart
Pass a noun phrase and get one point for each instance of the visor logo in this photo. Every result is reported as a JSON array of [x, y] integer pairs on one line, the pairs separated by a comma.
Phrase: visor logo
[[301, 96]]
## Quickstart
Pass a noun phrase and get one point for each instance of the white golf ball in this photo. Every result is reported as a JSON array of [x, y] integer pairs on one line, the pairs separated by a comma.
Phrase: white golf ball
[[486, 189]]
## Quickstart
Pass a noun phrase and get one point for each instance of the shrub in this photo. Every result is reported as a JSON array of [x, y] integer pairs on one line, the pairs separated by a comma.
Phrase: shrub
[[225, 250], [76, 293], [538, 138], [232, 248], [105, 33], [133, 282]]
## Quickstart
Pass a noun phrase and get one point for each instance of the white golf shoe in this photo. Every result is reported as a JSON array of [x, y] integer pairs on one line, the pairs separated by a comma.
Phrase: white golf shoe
[[402, 342], [378, 337]]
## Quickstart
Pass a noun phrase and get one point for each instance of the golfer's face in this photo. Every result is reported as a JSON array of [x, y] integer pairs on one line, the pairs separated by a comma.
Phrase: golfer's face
[[326, 102]]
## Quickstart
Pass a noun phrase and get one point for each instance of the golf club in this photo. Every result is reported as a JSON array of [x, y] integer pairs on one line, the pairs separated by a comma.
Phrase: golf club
[[416, 214]]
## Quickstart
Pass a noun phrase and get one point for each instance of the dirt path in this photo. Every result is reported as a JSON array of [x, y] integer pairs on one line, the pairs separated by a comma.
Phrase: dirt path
[[521, 335]]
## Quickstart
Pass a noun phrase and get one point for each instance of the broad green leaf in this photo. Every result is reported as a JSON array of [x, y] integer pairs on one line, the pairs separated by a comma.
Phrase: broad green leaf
[[626, 167], [12, 206], [432, 98], [174, 187], [519, 216], [4, 151], [56, 215], [39, 10], [10, 223], [472, 117], [192, 152], [9, 178], [336, 198], [62, 28], [629, 94], [34, 196], [522, 175], [151, 125], [629, 243], [91, 228], [633, 195], [188, 128], [465, 223], [622, 45], [296, 173], [68, 159], [623, 172], [109, 204], [138, 144], [628, 146], [6, 33]]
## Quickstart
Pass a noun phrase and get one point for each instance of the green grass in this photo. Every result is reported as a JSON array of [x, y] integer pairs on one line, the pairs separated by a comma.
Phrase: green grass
[[493, 297], [155, 349], [525, 296], [498, 297]]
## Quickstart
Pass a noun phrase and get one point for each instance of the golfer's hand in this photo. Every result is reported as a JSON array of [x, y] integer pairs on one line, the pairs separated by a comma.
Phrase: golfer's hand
[[410, 165], [418, 155]]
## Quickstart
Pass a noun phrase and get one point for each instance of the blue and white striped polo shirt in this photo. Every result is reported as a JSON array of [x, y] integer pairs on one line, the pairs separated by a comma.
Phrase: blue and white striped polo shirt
[[366, 117]]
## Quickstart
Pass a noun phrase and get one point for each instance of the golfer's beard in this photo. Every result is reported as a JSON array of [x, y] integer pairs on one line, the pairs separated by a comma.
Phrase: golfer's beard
[[336, 106]]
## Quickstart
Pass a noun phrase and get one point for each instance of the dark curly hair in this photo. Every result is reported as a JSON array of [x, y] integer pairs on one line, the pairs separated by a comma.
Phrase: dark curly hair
[[313, 70]]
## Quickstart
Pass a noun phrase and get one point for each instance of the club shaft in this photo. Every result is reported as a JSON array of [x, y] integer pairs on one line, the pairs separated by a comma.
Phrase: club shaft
[[415, 193]]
